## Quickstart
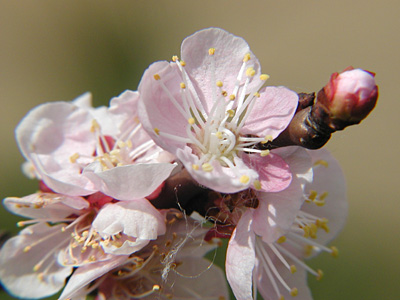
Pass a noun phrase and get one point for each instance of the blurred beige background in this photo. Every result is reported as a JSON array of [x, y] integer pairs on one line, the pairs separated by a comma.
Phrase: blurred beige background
[[57, 50]]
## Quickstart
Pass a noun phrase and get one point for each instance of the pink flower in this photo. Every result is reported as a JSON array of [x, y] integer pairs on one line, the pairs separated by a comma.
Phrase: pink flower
[[260, 260], [169, 267], [350, 95], [71, 232], [77, 150], [208, 110]]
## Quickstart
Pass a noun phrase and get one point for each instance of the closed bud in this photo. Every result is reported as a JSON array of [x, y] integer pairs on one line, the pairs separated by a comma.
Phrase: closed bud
[[349, 96]]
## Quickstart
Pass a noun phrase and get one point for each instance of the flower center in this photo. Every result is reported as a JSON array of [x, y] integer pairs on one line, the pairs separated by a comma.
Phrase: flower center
[[214, 134], [111, 152]]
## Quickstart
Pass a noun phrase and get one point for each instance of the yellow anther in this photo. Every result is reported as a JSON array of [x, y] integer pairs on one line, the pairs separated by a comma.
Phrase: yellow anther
[[182, 85], [211, 51], [257, 94], [321, 162], [313, 230], [320, 274], [306, 230], [183, 63], [308, 250], [95, 126], [27, 248], [293, 269], [264, 77], [244, 179], [157, 77], [257, 184], [195, 167], [323, 196], [157, 131], [224, 93], [40, 276], [335, 251], [175, 58], [128, 143], [281, 240], [121, 144], [207, 167], [231, 112], [313, 195], [20, 223], [219, 135], [219, 83], [63, 229], [232, 97], [247, 57], [294, 292], [250, 72], [264, 153], [191, 121], [36, 267], [74, 157]]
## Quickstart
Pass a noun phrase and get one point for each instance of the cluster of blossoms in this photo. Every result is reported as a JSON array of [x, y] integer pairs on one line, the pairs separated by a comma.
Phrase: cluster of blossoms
[[110, 219]]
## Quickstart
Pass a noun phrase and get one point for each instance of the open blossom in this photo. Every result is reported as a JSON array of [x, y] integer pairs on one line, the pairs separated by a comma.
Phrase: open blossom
[[274, 266], [69, 232], [171, 267], [78, 150], [209, 109]]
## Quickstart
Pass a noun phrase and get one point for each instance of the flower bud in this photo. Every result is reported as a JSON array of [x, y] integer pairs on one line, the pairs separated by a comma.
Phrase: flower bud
[[349, 96]]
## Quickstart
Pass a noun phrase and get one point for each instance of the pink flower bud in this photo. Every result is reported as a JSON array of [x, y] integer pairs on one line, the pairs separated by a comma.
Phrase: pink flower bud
[[350, 96]]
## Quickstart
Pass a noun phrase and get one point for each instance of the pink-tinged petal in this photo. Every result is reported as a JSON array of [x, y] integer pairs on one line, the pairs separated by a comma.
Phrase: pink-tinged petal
[[274, 173], [272, 112], [45, 206], [33, 249], [240, 258], [329, 179], [83, 276], [49, 135], [130, 181], [83, 101], [228, 60], [198, 278], [277, 211], [138, 220], [157, 110], [59, 129], [221, 179]]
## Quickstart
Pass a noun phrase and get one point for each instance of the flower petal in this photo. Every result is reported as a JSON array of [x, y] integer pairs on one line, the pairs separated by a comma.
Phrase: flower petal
[[230, 51], [33, 249], [221, 179], [45, 206], [137, 219], [156, 110], [86, 274], [274, 173], [130, 181], [272, 112], [329, 179], [240, 258], [277, 211]]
